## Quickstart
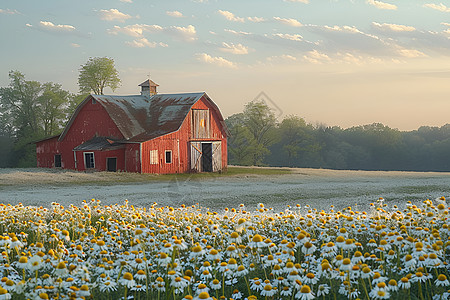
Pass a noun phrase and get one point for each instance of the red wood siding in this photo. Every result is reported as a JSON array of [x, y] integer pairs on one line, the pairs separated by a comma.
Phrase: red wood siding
[[100, 159]]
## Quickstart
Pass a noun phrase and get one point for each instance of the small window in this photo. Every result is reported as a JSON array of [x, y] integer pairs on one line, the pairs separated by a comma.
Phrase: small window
[[57, 160], [153, 157], [168, 156], [89, 160]]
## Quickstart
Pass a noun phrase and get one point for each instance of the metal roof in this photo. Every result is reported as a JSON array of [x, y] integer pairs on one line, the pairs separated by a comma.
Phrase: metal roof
[[98, 143], [142, 118]]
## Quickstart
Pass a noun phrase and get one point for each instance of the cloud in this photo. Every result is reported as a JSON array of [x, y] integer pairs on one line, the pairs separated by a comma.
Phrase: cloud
[[52, 27], [216, 60], [256, 19], [126, 1], [392, 27], [290, 22], [136, 30], [234, 49], [113, 15], [239, 33], [287, 36], [441, 7], [445, 24], [74, 45], [175, 14], [9, 12], [382, 5], [230, 16], [142, 43], [282, 58], [300, 1], [316, 57], [411, 53], [187, 33]]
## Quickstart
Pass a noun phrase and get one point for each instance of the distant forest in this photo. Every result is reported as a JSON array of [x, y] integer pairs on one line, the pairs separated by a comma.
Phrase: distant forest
[[258, 138]]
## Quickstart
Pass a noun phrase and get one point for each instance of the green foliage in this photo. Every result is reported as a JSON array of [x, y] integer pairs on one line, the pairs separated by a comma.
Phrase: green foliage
[[257, 139], [252, 132], [96, 74], [29, 111]]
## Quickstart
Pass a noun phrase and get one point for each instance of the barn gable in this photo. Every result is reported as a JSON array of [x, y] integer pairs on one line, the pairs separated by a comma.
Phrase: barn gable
[[141, 118]]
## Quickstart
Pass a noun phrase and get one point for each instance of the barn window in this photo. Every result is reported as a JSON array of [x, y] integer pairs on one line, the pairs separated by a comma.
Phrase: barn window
[[153, 157], [89, 161], [168, 156], [57, 160]]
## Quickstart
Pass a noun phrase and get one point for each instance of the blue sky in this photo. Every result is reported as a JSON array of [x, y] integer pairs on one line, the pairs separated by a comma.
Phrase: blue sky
[[335, 62]]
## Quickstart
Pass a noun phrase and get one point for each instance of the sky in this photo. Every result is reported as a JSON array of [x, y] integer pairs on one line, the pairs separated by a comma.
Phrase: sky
[[332, 62]]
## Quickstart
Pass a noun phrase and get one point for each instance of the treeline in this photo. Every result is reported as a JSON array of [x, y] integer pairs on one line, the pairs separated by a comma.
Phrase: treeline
[[257, 138], [31, 110]]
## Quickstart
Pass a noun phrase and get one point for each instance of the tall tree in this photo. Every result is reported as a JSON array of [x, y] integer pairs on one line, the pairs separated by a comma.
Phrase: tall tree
[[261, 122], [29, 111], [53, 106], [96, 74]]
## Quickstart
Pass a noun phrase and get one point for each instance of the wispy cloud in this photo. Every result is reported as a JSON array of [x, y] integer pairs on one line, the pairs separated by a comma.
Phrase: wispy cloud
[[187, 33], [234, 48], [230, 16], [136, 30], [411, 53], [144, 43], [50, 27], [9, 11], [175, 14], [392, 27], [215, 60], [126, 1], [113, 15], [75, 45], [300, 1], [256, 19], [382, 5], [316, 57], [287, 36], [439, 7], [282, 58], [289, 22]]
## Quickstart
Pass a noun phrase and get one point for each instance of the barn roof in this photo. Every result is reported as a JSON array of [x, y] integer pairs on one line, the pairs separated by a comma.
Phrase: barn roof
[[142, 118], [98, 143]]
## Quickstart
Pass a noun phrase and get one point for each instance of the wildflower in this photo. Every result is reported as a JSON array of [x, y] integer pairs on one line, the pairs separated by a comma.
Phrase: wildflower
[[305, 293], [323, 290], [215, 284], [404, 283], [268, 291], [442, 280], [127, 280], [4, 295], [107, 285], [61, 269], [203, 296]]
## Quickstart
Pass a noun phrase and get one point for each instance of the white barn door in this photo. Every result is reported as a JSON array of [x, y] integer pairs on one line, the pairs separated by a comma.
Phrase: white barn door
[[217, 156], [196, 156]]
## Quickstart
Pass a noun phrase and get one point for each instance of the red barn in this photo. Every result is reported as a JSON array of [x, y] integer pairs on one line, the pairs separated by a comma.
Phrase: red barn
[[147, 133]]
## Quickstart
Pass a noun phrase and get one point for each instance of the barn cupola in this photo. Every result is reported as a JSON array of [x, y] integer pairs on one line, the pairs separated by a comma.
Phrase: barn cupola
[[148, 88]]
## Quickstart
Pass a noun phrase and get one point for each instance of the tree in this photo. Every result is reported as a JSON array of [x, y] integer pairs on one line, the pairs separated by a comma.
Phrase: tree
[[260, 120], [53, 103], [96, 74], [29, 111]]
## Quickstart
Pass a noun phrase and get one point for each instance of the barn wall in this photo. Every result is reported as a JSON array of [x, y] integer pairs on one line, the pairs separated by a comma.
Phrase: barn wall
[[177, 142], [92, 120], [45, 153], [100, 159], [133, 158]]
